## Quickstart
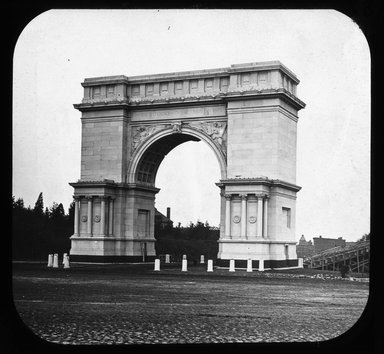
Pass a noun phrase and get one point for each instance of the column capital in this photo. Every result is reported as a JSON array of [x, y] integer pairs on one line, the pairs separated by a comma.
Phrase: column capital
[[243, 196], [266, 196], [228, 196], [76, 198], [88, 197], [259, 195]]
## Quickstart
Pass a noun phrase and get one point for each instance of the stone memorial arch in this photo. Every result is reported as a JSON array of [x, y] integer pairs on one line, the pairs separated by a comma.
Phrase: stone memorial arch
[[247, 114]]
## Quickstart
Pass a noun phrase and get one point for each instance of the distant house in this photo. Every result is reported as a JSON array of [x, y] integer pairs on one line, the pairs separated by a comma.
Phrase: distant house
[[163, 221], [304, 248], [322, 243]]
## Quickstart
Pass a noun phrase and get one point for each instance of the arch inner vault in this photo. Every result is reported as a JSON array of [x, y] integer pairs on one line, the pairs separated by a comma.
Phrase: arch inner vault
[[246, 113]]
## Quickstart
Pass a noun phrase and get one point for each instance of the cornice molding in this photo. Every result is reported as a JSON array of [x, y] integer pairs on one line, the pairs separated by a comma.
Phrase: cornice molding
[[219, 96], [258, 181], [111, 184], [259, 240]]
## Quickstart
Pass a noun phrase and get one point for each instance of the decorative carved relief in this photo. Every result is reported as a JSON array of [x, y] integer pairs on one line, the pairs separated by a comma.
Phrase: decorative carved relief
[[236, 219], [176, 127], [252, 219], [141, 133], [97, 218], [216, 130], [84, 218]]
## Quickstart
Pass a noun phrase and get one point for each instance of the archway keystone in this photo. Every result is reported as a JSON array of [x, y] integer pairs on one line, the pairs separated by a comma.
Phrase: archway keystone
[[247, 114]]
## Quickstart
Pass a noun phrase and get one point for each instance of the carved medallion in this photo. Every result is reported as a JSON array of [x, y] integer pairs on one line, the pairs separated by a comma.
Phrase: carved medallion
[[252, 219], [236, 219], [97, 218], [84, 218]]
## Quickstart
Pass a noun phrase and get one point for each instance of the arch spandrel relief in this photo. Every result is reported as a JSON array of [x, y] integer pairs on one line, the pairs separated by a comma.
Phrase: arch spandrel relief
[[217, 131], [142, 133]]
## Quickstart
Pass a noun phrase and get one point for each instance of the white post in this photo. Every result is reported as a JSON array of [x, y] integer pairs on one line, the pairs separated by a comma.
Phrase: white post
[[202, 259], [210, 265], [66, 261], [55, 260], [300, 264], [184, 265], [249, 265], [261, 265], [50, 260], [157, 264], [227, 215], [184, 256], [167, 259], [64, 255], [243, 215], [232, 265], [259, 216]]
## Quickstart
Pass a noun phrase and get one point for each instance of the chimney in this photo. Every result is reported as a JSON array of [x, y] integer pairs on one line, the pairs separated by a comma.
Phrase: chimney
[[169, 213]]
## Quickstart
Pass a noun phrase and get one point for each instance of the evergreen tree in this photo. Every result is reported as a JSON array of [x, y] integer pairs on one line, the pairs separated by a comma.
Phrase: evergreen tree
[[35, 233], [39, 205]]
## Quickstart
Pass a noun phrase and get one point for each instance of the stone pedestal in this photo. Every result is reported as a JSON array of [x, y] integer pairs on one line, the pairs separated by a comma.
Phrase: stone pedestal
[[184, 265], [249, 265], [210, 265], [157, 265], [50, 261]]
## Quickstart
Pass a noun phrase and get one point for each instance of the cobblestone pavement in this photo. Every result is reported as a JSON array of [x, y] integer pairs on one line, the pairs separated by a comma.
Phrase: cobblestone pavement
[[115, 306]]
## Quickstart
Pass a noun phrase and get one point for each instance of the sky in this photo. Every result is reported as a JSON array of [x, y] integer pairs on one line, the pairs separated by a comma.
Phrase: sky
[[327, 51]]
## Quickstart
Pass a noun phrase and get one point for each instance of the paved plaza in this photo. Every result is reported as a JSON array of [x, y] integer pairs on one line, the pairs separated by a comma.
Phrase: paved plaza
[[132, 304]]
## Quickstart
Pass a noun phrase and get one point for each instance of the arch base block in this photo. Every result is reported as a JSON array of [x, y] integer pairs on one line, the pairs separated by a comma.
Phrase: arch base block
[[111, 250], [274, 253]]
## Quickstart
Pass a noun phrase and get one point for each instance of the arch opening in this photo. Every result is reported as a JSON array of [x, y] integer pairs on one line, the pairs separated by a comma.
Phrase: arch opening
[[149, 155], [187, 180], [154, 155]]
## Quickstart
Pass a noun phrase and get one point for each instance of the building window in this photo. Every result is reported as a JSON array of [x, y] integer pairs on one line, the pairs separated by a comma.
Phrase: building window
[[287, 216]]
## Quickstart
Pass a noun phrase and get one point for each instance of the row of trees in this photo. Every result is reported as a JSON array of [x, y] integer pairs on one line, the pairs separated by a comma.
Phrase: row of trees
[[193, 240], [38, 232]]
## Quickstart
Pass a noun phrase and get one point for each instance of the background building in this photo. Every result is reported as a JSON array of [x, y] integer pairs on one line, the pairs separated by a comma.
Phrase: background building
[[163, 221], [304, 248], [322, 243]]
